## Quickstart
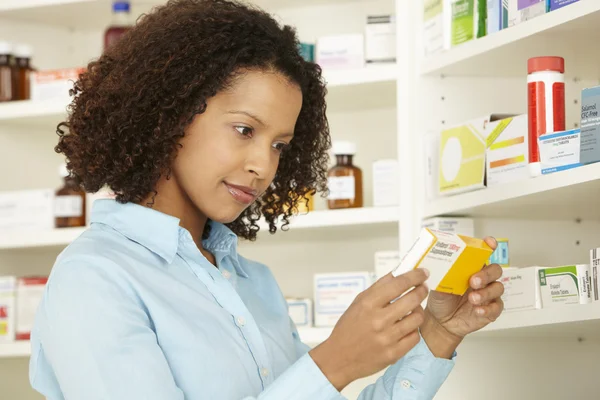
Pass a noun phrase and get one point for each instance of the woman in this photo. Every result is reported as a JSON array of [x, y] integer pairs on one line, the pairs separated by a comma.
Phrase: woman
[[201, 120]]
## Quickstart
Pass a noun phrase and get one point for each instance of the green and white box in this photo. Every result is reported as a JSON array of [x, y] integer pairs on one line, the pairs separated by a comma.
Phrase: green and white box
[[467, 20], [569, 284], [594, 270]]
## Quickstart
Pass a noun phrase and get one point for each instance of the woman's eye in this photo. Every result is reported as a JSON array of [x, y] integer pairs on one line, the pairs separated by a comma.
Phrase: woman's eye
[[244, 130], [281, 147]]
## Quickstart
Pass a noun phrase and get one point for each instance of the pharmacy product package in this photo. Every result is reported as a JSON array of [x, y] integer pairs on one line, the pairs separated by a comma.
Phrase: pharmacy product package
[[450, 258], [594, 267], [301, 311], [569, 284], [335, 292], [560, 151], [552, 5], [590, 126], [524, 10], [521, 289]]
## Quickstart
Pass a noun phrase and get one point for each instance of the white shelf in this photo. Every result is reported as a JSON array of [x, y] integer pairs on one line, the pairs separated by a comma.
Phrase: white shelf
[[15, 349], [42, 238], [316, 219], [505, 53], [49, 112], [568, 321], [88, 15], [567, 194]]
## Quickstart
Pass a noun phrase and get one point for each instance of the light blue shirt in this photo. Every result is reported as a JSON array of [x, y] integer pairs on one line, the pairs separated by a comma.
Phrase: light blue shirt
[[134, 311]]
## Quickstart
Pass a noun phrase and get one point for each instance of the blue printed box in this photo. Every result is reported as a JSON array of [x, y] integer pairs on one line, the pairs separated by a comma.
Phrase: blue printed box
[[552, 5], [497, 15]]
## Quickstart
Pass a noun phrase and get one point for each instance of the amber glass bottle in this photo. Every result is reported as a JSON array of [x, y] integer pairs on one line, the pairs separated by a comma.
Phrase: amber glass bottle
[[7, 92], [69, 204], [23, 70], [345, 182]]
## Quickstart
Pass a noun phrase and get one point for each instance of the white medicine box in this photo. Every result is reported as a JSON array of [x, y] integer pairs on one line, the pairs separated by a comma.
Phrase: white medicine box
[[507, 153], [380, 39], [521, 289], [28, 209], [386, 183], [8, 285], [461, 226], [386, 262], [341, 51], [335, 292], [301, 311]]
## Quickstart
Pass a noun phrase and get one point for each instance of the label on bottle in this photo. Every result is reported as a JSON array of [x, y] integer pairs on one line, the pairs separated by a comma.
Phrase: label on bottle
[[68, 206], [341, 188]]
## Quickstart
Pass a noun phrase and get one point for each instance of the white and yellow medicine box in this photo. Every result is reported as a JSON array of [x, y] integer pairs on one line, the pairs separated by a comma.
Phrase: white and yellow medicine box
[[450, 258], [462, 155], [507, 157]]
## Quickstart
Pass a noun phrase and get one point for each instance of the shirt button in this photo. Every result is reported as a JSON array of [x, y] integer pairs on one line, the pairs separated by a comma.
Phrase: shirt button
[[241, 321], [405, 384], [264, 372], [226, 274]]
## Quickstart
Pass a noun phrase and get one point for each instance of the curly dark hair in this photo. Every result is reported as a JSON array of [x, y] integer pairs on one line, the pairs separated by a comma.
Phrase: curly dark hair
[[132, 105]]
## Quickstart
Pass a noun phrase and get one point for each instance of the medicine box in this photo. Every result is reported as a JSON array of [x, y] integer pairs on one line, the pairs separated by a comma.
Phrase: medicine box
[[507, 153], [431, 148], [467, 21], [335, 292], [461, 226], [386, 262], [521, 289], [451, 259], [497, 15], [524, 10], [29, 209], [301, 311], [30, 291], [386, 188], [590, 126], [559, 151], [565, 285], [462, 161], [435, 14], [552, 5], [54, 84], [380, 39], [341, 51], [501, 255], [594, 272], [7, 308]]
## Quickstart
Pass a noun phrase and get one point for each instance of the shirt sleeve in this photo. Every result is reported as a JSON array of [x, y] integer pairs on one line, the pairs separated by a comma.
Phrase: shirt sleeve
[[417, 376], [98, 338]]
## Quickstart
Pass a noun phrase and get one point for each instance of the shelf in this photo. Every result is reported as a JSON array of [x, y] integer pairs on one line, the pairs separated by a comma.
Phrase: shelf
[[15, 349], [567, 194], [568, 321], [88, 15], [316, 219], [27, 239], [566, 32]]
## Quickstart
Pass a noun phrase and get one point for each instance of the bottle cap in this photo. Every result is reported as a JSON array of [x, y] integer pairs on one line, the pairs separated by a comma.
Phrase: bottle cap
[[120, 6], [23, 51], [63, 172], [538, 64], [5, 48], [342, 148]]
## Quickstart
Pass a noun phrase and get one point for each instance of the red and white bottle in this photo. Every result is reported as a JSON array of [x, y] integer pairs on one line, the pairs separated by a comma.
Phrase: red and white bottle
[[546, 103]]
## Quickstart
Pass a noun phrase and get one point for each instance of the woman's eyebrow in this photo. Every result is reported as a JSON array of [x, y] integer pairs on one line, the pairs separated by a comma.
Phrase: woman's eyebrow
[[248, 114]]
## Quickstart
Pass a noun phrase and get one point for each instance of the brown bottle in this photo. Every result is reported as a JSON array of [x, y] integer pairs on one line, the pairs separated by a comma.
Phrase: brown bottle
[[6, 73], [22, 70], [120, 24], [69, 204], [345, 180]]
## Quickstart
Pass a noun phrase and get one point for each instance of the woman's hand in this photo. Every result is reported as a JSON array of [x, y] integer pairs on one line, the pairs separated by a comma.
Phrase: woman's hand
[[374, 333], [449, 318]]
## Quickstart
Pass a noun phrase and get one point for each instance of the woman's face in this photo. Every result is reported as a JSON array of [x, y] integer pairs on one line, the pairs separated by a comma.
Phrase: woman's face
[[231, 152]]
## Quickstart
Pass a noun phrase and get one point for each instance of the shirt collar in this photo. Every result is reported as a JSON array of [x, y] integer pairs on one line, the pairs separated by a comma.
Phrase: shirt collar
[[159, 232]]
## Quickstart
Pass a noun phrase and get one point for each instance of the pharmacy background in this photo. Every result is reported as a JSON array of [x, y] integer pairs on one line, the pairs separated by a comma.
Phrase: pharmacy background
[[451, 120]]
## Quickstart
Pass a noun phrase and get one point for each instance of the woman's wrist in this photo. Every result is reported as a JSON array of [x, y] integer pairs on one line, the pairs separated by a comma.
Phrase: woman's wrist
[[329, 362], [440, 342]]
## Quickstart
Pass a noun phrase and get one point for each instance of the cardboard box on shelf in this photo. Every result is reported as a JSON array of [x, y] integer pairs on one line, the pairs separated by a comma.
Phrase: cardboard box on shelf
[[521, 289], [524, 10], [335, 292], [8, 286], [54, 84], [552, 5], [27, 209], [462, 155], [341, 51], [594, 272], [301, 311], [435, 39], [507, 153], [29, 295], [590, 126], [559, 151], [461, 226], [569, 284], [385, 262]]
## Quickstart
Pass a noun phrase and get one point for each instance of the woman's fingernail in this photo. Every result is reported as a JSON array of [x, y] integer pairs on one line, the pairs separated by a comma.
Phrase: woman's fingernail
[[426, 271], [480, 311], [476, 298], [477, 282]]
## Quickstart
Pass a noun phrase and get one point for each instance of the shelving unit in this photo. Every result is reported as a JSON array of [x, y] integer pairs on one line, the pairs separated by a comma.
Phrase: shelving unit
[[505, 53], [567, 194], [15, 349]]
